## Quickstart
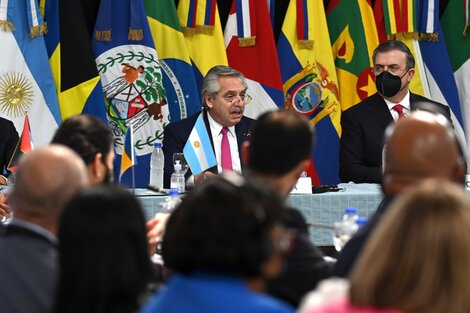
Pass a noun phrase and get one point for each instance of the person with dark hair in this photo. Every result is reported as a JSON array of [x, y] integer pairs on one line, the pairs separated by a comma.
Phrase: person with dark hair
[[104, 264], [8, 142], [420, 146], [277, 153], [224, 96], [222, 242], [93, 141], [46, 179], [416, 261], [364, 124]]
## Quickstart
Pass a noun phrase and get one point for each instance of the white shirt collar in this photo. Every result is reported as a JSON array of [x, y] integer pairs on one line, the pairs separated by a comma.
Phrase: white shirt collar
[[216, 128], [405, 103]]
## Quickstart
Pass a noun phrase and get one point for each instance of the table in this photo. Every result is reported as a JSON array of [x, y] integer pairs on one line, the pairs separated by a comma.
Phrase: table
[[318, 209]]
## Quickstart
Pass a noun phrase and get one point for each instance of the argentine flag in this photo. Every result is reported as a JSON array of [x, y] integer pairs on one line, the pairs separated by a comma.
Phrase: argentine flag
[[198, 149], [26, 83]]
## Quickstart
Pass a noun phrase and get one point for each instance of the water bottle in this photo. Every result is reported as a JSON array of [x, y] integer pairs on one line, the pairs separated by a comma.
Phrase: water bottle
[[157, 162], [350, 215], [177, 180], [345, 229], [172, 201]]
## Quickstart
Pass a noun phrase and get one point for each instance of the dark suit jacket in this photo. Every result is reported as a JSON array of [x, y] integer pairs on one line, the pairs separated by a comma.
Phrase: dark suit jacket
[[352, 250], [177, 133], [362, 138], [28, 270], [8, 142], [304, 266]]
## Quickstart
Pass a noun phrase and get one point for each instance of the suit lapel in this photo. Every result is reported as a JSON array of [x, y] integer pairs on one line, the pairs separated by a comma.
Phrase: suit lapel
[[380, 109]]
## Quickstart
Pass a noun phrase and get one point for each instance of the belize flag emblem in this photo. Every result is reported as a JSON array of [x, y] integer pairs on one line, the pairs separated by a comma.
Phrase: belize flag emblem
[[132, 81]]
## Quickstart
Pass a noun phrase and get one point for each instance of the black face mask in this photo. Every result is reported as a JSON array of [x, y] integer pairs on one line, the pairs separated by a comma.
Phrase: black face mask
[[388, 84]]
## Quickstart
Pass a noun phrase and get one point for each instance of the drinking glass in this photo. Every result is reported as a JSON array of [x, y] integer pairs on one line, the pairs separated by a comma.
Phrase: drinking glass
[[183, 162]]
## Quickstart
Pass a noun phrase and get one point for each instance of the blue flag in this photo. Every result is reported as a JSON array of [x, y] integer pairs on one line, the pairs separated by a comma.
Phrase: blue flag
[[132, 81], [26, 83], [198, 149]]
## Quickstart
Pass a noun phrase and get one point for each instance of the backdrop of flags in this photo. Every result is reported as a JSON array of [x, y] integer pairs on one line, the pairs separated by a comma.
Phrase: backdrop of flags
[[251, 49], [310, 82], [178, 76], [354, 37], [200, 22], [26, 82], [72, 61], [132, 80]]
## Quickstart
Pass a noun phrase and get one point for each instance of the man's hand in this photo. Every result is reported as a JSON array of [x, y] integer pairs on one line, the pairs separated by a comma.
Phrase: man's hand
[[155, 228], [4, 210], [199, 178]]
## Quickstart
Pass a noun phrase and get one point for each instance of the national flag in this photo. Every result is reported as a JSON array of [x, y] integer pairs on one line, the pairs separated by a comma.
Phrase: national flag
[[440, 79], [178, 76], [72, 61], [251, 49], [198, 149], [25, 144], [456, 29], [132, 80], [128, 153], [310, 82], [26, 82], [354, 37], [203, 33]]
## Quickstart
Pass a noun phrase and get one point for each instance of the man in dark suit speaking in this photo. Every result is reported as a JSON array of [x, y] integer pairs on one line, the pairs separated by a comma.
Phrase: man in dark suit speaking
[[223, 99], [8, 142], [364, 124]]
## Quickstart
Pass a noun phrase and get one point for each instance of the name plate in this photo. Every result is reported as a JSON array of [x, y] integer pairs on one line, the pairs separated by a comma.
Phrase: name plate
[[303, 185]]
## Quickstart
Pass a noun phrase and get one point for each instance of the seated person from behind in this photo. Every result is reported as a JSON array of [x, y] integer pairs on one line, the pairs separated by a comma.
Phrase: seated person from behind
[[223, 99], [104, 262], [364, 124], [222, 242], [416, 261]]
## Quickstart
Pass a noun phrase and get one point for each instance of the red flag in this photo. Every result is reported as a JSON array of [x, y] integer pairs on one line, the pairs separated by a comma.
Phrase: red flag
[[24, 145], [251, 49]]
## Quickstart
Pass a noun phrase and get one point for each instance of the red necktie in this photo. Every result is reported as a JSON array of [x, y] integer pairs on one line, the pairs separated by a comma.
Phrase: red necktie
[[226, 156], [399, 110]]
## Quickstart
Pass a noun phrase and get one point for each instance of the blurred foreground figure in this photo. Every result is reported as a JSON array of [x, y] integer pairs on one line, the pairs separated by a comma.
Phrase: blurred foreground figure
[[223, 242], [104, 263], [416, 262], [277, 153], [46, 179]]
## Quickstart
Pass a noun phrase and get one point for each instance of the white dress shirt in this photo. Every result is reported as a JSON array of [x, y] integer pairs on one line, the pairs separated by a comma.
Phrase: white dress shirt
[[405, 103], [216, 131]]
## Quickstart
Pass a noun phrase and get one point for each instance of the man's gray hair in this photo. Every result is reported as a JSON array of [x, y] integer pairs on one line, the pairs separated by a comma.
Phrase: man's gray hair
[[211, 84]]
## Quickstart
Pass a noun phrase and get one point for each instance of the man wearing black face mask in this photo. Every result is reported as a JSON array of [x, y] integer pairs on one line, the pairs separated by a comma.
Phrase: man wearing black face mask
[[364, 124]]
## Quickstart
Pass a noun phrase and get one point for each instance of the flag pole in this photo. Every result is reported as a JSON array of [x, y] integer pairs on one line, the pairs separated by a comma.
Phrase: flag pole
[[133, 157]]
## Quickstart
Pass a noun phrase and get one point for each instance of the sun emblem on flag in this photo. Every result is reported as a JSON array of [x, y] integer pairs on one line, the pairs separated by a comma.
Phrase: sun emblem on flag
[[197, 144], [16, 94]]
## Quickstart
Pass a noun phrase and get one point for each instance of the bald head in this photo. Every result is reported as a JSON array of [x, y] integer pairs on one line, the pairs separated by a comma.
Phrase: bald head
[[46, 179], [422, 145]]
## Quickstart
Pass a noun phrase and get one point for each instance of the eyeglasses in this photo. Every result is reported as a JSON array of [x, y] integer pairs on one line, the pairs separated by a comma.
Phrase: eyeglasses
[[392, 69], [230, 97]]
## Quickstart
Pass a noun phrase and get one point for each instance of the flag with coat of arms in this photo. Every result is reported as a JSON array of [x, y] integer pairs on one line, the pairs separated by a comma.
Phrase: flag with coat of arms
[[26, 83], [132, 81], [310, 84]]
